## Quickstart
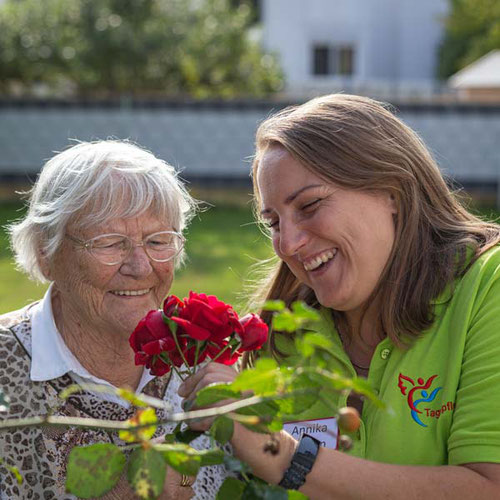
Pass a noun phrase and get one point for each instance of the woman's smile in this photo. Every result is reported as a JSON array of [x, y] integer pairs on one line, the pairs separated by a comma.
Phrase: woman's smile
[[335, 240], [319, 261]]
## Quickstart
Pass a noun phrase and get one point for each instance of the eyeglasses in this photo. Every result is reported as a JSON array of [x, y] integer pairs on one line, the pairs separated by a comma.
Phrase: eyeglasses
[[112, 249]]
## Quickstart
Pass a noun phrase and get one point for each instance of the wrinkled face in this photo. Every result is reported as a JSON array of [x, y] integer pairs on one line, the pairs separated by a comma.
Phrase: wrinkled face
[[334, 240], [110, 298]]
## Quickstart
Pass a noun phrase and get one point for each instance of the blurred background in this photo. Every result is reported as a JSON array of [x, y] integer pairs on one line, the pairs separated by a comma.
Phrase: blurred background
[[190, 80]]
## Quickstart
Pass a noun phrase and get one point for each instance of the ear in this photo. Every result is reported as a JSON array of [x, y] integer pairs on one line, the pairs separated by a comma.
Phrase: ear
[[44, 263], [393, 204]]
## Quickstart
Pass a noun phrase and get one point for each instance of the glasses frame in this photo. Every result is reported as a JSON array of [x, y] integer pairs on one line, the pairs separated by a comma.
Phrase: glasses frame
[[88, 245]]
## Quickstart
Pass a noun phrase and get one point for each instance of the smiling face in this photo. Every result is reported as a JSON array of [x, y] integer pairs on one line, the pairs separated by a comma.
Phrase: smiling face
[[335, 240], [109, 298]]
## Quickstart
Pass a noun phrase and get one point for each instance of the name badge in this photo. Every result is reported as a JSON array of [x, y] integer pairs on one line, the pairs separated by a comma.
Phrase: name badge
[[325, 430]]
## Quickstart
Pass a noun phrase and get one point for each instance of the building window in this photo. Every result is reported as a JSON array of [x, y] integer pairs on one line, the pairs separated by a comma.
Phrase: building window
[[333, 60]]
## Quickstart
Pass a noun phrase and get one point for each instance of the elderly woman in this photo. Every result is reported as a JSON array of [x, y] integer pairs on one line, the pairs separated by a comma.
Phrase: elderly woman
[[408, 286], [104, 227]]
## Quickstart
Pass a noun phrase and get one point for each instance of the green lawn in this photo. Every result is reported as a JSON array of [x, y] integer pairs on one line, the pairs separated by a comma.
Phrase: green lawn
[[222, 243]]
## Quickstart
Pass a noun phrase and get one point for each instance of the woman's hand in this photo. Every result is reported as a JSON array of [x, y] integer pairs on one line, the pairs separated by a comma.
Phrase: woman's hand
[[212, 373], [247, 445]]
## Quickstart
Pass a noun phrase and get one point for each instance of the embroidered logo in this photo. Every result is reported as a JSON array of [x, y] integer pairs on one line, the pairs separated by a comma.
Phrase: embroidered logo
[[406, 384]]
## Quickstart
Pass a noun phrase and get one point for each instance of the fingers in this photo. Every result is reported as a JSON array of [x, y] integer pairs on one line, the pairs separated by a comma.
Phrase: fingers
[[212, 373]]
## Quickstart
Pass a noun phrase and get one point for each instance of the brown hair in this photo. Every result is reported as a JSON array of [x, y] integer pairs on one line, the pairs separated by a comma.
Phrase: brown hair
[[358, 144]]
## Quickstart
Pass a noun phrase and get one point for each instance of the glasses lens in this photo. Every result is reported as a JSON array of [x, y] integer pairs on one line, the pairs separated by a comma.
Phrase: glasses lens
[[110, 249], [163, 246]]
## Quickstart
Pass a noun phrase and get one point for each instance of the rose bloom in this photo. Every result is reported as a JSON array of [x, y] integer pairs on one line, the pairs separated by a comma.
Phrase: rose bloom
[[151, 337], [254, 334], [205, 317]]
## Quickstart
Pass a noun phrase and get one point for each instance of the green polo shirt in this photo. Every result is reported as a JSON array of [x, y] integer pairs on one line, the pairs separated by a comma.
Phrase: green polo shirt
[[443, 392]]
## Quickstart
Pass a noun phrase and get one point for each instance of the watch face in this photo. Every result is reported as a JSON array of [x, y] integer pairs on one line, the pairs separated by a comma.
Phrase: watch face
[[307, 451], [310, 444]]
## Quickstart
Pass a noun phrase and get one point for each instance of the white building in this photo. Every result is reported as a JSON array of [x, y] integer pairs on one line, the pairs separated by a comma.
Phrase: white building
[[375, 47]]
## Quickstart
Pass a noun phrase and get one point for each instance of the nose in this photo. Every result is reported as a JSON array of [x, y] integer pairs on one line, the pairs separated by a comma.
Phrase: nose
[[291, 238], [137, 263]]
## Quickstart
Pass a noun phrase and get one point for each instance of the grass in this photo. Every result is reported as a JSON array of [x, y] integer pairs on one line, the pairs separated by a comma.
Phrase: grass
[[222, 243]]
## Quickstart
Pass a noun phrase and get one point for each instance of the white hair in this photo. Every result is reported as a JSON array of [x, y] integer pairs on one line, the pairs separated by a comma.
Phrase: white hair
[[91, 183]]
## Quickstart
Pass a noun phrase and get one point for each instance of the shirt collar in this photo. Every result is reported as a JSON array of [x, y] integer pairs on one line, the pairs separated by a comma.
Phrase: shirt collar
[[51, 358]]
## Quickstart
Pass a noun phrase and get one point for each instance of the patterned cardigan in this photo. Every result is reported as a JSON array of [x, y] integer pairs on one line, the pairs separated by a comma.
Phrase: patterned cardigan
[[41, 453]]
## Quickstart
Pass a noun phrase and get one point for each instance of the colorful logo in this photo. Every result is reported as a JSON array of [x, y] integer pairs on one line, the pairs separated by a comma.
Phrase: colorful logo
[[420, 385]]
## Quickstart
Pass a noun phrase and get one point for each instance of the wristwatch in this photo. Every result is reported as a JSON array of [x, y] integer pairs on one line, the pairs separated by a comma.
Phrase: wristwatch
[[302, 462]]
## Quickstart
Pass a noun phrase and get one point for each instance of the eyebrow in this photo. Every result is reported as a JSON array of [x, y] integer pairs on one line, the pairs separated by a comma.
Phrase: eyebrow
[[293, 196]]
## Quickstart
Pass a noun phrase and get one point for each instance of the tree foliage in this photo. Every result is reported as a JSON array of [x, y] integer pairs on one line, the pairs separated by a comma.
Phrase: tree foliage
[[472, 30], [197, 48]]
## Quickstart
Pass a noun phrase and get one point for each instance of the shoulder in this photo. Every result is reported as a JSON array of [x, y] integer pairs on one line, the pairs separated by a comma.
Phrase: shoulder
[[15, 341], [14, 318], [483, 272]]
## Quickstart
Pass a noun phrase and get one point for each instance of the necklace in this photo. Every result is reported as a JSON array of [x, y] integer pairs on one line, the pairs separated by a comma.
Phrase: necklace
[[359, 367]]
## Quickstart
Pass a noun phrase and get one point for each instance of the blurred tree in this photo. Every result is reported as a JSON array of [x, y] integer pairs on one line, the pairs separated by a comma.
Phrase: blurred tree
[[197, 48], [472, 30]]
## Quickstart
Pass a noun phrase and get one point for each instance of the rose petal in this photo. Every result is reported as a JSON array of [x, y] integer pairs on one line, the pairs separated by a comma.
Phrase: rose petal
[[192, 330]]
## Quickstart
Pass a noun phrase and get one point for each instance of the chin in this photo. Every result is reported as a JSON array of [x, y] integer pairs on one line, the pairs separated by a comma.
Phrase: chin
[[124, 326]]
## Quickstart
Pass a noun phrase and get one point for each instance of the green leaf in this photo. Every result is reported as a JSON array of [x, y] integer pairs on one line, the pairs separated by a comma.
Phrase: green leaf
[[186, 436], [141, 417], [131, 397], [4, 401], [215, 393], [296, 495], [231, 489], [94, 470], [181, 457], [232, 464], [285, 321], [261, 491], [273, 305], [222, 429], [213, 456], [303, 394], [268, 412], [265, 378], [146, 473], [169, 438], [305, 312], [309, 343]]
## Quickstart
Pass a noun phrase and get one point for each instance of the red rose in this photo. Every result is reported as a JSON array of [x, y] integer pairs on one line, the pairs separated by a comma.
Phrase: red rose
[[190, 355], [151, 337], [206, 317], [226, 358], [254, 334], [171, 304], [157, 366]]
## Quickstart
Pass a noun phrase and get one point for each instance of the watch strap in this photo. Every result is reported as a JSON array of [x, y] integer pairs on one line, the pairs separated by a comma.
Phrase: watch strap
[[301, 464]]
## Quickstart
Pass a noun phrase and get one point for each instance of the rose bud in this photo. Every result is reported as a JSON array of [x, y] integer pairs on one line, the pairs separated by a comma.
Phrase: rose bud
[[348, 419], [170, 305], [345, 443]]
